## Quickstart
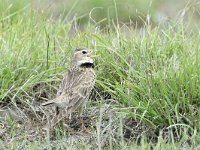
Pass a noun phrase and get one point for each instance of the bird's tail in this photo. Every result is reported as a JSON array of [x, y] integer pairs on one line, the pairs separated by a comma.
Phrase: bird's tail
[[48, 103]]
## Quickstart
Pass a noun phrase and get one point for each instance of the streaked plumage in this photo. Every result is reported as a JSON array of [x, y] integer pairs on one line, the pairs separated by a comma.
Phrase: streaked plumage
[[76, 86]]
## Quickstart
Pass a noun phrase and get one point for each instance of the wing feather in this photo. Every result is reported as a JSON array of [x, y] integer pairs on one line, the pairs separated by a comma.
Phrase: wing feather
[[64, 84], [77, 88], [78, 97]]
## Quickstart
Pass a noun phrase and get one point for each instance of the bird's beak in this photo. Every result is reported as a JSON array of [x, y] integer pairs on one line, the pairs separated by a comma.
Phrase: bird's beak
[[93, 56]]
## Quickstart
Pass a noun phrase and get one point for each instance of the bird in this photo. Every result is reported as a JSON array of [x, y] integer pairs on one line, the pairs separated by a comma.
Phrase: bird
[[75, 88]]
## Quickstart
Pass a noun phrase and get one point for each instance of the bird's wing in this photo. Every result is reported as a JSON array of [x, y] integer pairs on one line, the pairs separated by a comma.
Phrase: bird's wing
[[58, 101], [64, 90], [70, 80], [64, 83], [78, 97]]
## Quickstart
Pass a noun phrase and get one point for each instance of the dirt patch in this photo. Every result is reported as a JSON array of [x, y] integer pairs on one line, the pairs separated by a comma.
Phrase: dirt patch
[[24, 123]]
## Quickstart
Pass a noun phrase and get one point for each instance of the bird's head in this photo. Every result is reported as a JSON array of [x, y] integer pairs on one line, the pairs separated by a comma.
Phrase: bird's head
[[82, 57]]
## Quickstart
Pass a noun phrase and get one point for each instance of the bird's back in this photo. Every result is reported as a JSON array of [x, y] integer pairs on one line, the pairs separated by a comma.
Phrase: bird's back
[[77, 86]]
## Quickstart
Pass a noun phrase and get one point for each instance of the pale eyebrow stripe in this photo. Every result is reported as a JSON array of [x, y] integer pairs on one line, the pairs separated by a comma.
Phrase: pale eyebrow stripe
[[79, 49]]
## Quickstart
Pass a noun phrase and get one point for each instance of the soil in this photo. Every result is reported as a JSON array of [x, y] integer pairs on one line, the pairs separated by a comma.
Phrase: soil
[[25, 122]]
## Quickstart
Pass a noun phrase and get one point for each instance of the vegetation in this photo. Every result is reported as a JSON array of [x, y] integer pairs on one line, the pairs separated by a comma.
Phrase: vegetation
[[100, 11], [153, 73]]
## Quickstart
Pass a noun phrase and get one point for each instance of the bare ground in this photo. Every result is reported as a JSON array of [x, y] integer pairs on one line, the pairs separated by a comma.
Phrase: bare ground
[[23, 124]]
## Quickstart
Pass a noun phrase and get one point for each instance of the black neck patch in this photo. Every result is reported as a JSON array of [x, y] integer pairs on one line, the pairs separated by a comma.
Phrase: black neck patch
[[87, 65]]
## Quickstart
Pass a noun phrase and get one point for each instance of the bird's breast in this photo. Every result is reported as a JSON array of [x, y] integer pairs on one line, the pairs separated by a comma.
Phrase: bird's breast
[[86, 75]]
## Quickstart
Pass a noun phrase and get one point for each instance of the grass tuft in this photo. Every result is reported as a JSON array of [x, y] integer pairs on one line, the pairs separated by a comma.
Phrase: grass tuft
[[154, 73]]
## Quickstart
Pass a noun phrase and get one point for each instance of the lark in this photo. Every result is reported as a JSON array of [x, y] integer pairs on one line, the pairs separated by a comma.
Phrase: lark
[[75, 88]]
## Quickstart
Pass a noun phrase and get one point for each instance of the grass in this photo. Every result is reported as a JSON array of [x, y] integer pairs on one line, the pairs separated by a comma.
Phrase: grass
[[154, 73]]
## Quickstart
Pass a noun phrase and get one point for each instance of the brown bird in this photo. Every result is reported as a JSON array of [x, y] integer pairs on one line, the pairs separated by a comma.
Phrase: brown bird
[[76, 86]]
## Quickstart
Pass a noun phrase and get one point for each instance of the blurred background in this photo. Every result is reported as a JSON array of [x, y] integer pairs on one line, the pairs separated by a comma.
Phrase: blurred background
[[102, 12]]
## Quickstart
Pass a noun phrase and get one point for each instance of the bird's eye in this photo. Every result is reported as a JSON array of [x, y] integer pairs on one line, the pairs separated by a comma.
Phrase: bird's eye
[[84, 52]]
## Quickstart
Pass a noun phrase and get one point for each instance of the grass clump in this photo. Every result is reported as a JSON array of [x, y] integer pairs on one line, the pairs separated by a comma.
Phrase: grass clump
[[156, 76], [153, 74]]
